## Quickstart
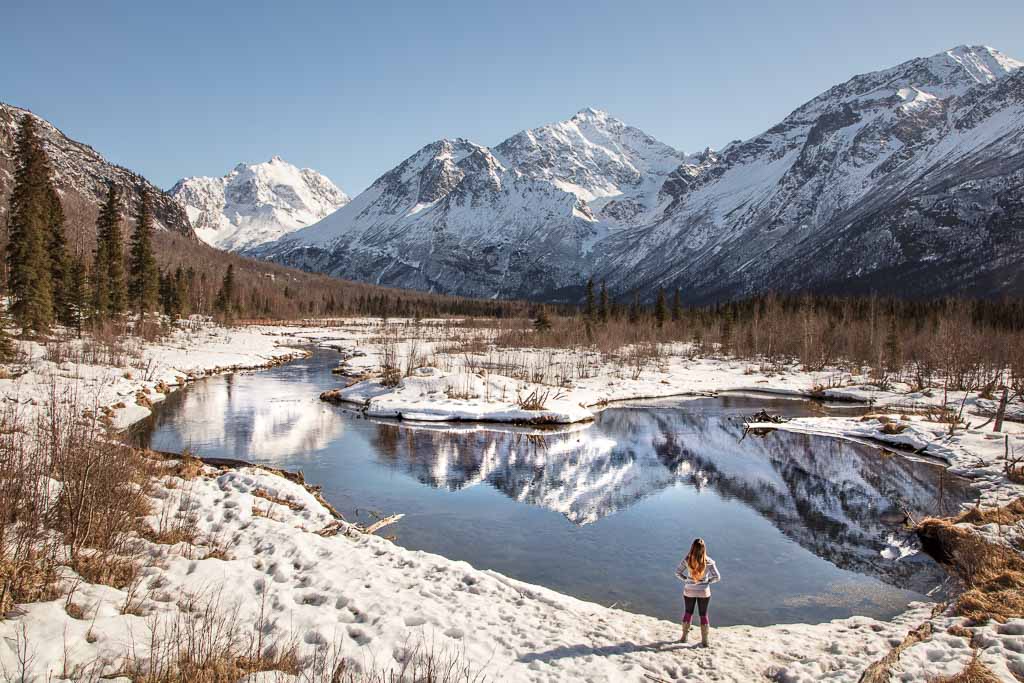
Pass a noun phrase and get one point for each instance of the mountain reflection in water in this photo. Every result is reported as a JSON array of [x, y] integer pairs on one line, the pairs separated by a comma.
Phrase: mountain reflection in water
[[601, 511], [835, 498]]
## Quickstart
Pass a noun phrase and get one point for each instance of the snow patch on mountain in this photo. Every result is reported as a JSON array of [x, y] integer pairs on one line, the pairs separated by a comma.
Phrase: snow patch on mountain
[[257, 203]]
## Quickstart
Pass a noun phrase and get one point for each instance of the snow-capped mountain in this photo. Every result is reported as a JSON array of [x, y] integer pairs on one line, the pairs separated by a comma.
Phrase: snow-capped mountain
[[256, 203], [906, 180], [80, 170], [452, 217]]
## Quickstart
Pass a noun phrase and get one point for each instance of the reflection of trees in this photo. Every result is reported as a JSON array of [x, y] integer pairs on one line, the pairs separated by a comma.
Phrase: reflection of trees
[[828, 495], [250, 416]]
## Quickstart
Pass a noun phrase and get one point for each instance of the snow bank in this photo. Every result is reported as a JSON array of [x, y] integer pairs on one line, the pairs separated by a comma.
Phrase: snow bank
[[372, 599], [195, 349], [431, 395]]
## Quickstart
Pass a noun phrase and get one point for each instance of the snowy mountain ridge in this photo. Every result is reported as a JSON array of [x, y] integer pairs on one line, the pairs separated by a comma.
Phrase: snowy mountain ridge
[[906, 179], [256, 203]]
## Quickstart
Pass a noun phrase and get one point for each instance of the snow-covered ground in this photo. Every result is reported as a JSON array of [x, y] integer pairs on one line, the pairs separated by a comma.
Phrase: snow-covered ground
[[485, 385], [377, 602], [138, 373]]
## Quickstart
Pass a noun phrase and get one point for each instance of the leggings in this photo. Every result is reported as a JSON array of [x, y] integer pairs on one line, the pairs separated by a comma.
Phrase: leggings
[[702, 607]]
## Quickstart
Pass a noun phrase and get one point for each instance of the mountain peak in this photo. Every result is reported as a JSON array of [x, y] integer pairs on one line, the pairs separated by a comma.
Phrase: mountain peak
[[256, 203], [981, 63], [594, 156], [591, 114]]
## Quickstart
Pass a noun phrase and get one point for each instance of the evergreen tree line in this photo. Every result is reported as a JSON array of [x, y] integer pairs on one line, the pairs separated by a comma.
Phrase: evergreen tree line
[[45, 283], [1003, 315]]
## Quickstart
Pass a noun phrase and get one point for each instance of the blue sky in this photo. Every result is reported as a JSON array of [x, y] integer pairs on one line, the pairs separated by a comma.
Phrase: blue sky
[[190, 88]]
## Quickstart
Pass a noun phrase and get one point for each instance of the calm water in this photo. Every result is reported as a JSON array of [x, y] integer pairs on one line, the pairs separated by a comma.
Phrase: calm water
[[799, 525]]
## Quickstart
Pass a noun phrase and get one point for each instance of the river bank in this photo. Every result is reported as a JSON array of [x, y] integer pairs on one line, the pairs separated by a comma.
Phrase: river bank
[[381, 605]]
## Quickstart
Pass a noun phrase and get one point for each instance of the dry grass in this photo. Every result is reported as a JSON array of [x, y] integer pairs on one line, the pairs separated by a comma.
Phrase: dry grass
[[105, 568], [188, 467], [879, 671], [535, 400], [1006, 515], [992, 574], [69, 496], [893, 428], [974, 672], [207, 641], [266, 495]]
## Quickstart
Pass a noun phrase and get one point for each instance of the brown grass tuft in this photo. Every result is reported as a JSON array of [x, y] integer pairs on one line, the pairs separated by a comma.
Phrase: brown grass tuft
[[266, 495], [189, 466], [992, 574], [893, 427], [110, 570], [974, 672], [1006, 515], [879, 671]]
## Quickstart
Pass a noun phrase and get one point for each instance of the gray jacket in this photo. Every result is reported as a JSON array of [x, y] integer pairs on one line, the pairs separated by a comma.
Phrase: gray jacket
[[702, 588]]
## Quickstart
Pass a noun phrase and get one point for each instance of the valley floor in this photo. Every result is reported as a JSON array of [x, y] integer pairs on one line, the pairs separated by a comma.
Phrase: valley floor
[[290, 570]]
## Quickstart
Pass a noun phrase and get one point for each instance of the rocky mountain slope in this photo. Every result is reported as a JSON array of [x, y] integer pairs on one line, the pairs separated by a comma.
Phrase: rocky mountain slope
[[256, 203], [80, 171], [905, 180], [908, 180]]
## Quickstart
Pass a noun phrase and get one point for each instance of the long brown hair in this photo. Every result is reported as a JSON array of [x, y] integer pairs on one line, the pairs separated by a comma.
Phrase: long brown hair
[[697, 559]]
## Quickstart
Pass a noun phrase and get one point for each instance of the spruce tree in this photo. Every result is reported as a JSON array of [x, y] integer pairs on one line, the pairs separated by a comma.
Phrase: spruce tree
[[893, 347], [226, 296], [7, 351], [29, 277], [110, 295], [726, 340], [115, 269], [60, 262], [182, 284], [588, 306], [166, 282], [542, 323], [634, 309], [143, 277], [603, 310], [677, 306], [6, 343], [660, 310], [76, 297]]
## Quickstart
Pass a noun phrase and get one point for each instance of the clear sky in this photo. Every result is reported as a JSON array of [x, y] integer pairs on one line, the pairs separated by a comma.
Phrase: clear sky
[[181, 88]]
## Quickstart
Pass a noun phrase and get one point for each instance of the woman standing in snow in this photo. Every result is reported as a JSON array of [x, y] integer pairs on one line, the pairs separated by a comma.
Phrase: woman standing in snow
[[698, 572]]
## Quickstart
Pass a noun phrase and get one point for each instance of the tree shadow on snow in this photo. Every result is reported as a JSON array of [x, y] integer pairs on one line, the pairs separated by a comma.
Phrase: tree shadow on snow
[[570, 651]]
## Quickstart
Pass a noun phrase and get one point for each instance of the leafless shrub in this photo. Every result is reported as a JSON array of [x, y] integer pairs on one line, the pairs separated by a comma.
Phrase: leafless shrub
[[104, 484], [535, 400], [29, 553], [390, 372], [69, 495], [207, 641]]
